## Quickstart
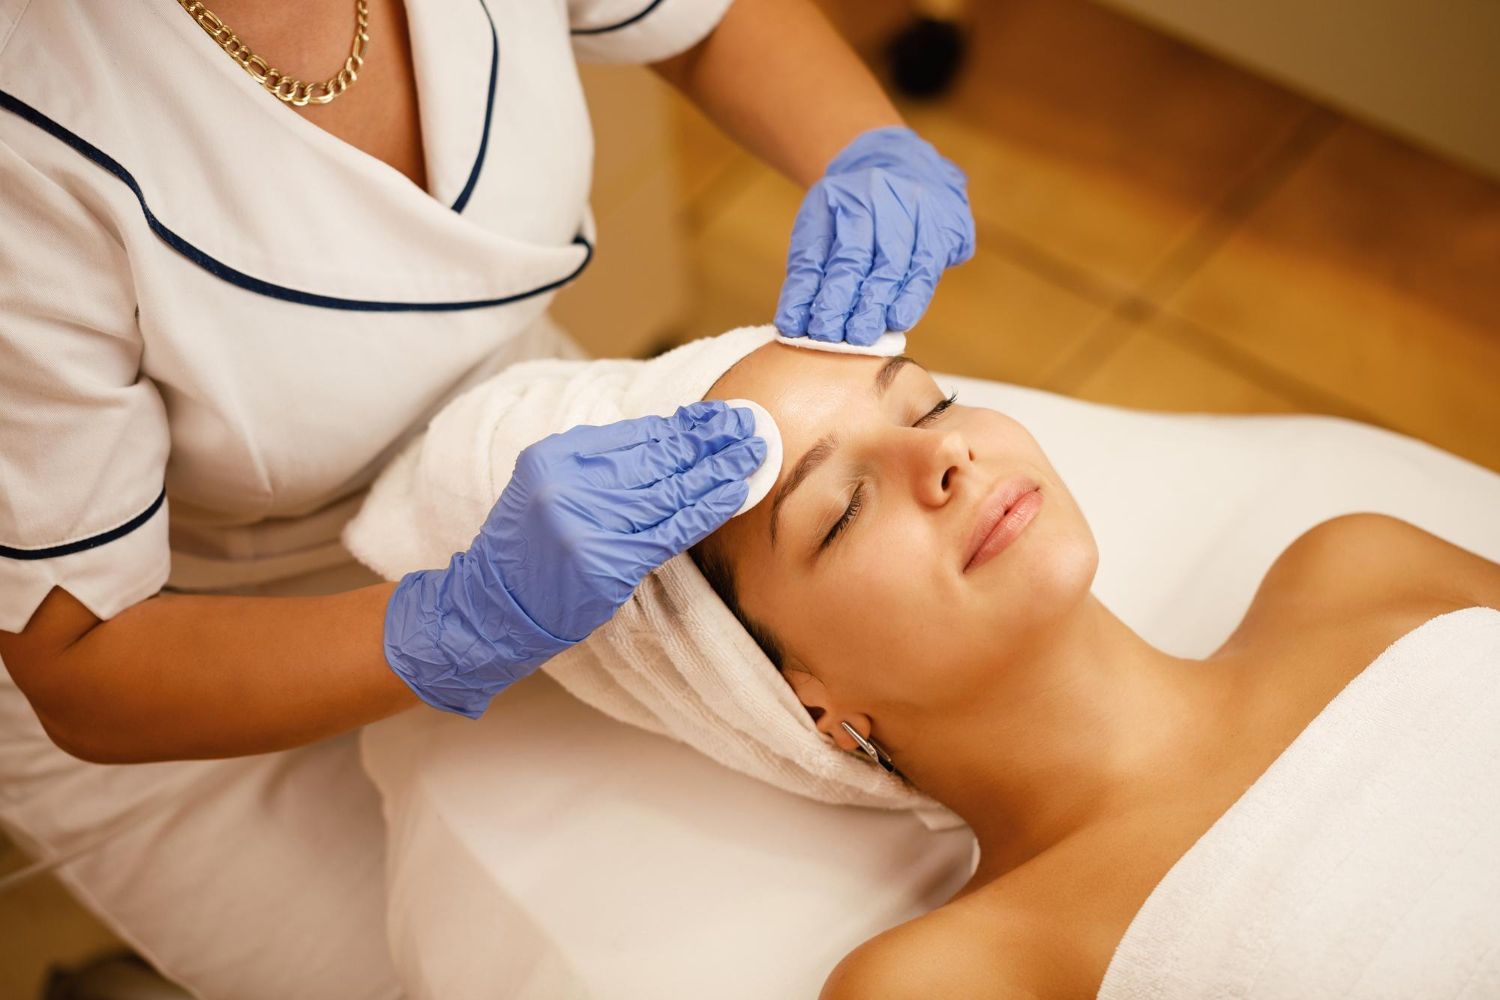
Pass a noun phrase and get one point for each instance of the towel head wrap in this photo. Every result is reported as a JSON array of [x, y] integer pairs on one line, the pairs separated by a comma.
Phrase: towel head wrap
[[673, 660]]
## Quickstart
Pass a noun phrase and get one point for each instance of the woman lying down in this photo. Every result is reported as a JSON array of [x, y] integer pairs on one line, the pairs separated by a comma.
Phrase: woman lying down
[[1310, 810]]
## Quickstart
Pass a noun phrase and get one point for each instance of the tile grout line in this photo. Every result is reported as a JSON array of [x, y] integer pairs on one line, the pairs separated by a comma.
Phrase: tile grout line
[[1236, 205], [1049, 267], [1116, 300], [1197, 340], [1148, 299]]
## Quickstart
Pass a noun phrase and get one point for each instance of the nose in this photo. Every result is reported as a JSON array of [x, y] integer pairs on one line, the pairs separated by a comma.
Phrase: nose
[[937, 461]]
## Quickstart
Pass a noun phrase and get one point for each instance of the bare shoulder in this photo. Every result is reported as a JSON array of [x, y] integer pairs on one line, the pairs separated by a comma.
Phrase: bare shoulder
[[938, 955], [1360, 563]]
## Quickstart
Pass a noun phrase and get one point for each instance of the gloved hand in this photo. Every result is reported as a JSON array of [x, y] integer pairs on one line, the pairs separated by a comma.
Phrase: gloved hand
[[586, 515], [872, 238]]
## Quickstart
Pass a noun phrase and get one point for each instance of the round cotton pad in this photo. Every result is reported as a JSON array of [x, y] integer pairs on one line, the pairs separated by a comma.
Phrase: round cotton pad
[[763, 478], [887, 345]]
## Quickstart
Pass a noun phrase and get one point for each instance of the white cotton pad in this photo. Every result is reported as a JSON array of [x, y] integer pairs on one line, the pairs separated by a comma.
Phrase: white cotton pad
[[887, 345], [763, 478]]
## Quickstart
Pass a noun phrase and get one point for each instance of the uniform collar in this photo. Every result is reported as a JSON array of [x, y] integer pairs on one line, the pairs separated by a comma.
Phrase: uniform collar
[[378, 241]]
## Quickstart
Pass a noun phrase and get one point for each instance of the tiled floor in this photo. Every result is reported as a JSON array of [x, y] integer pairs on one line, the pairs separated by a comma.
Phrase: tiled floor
[[40, 925], [1159, 229]]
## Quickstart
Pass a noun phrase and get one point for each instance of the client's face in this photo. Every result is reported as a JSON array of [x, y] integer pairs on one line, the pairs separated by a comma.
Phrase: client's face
[[859, 561]]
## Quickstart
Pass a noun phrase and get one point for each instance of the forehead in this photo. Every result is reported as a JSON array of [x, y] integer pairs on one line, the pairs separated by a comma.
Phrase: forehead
[[798, 385], [808, 393]]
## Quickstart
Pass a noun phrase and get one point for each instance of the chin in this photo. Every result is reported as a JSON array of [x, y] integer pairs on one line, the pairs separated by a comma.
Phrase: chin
[[1062, 563]]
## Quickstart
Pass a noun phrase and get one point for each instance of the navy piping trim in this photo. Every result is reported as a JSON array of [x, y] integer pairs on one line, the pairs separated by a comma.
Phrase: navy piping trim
[[93, 541], [622, 24], [489, 111], [224, 272]]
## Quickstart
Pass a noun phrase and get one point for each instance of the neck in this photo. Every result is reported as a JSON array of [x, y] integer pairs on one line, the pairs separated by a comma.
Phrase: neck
[[306, 40], [1087, 726]]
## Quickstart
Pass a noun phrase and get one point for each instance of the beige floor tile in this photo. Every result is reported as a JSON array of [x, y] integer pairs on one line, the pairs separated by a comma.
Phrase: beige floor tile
[[704, 153], [728, 294], [1374, 275], [1097, 138], [738, 252], [1151, 371], [994, 319], [41, 925], [755, 217]]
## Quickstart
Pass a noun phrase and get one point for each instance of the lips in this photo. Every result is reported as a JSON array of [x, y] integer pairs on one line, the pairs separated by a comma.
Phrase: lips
[[987, 537]]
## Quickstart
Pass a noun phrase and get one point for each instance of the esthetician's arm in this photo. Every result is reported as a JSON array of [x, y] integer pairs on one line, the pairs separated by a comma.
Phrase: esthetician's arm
[[776, 77], [180, 676], [187, 676]]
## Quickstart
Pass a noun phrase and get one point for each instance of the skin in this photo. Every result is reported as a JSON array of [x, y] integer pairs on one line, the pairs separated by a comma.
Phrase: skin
[[1085, 760], [786, 46], [1019, 645], [179, 676], [378, 113]]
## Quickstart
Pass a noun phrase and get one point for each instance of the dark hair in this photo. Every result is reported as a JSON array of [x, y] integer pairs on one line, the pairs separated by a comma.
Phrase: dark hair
[[710, 560]]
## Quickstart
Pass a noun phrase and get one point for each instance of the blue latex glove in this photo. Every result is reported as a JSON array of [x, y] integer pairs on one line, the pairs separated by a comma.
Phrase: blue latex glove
[[872, 238], [586, 515]]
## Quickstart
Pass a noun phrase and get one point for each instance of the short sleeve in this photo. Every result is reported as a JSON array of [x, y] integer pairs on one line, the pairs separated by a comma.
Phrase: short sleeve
[[640, 31], [83, 434]]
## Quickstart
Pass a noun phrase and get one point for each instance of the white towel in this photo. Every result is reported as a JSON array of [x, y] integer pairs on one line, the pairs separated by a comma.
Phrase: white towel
[[1365, 862], [673, 660]]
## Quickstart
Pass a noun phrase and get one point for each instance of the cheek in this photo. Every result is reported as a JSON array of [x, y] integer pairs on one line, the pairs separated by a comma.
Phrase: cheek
[[1049, 573], [884, 623]]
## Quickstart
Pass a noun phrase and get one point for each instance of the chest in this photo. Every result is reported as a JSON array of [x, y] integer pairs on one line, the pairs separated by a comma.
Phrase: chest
[[380, 114], [311, 284], [1082, 899]]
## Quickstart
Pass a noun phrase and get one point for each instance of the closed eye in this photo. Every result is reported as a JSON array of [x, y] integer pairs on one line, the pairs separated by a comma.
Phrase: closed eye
[[937, 410], [856, 499]]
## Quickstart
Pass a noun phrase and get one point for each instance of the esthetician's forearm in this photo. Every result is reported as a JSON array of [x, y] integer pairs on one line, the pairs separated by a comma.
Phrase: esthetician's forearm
[[179, 677], [777, 78]]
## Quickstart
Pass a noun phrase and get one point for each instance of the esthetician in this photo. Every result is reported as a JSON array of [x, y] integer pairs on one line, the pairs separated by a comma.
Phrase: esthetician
[[246, 251]]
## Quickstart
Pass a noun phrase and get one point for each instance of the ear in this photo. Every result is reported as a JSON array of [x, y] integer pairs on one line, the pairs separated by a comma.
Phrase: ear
[[827, 714]]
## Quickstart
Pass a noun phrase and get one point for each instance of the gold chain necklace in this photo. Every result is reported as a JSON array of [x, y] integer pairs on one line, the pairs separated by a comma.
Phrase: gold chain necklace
[[288, 88]]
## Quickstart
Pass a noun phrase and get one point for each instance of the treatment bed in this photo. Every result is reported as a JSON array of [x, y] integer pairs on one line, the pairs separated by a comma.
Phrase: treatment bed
[[547, 851]]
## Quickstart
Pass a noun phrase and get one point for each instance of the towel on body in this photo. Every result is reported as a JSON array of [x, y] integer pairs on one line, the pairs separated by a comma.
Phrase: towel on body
[[1365, 862], [673, 660]]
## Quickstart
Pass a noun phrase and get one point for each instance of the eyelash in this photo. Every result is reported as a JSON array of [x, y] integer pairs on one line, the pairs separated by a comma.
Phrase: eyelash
[[857, 500]]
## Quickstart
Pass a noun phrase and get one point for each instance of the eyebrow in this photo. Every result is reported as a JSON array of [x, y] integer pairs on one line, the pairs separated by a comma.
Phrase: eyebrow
[[827, 444]]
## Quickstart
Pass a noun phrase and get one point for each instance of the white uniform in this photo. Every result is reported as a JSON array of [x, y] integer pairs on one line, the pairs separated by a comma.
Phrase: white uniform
[[216, 322]]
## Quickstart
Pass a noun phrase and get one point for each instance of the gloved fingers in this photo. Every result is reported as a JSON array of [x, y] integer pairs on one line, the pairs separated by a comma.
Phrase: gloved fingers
[[684, 443], [916, 292], [667, 496], [708, 417], [693, 523], [631, 511], [852, 256], [893, 252], [962, 239], [812, 239]]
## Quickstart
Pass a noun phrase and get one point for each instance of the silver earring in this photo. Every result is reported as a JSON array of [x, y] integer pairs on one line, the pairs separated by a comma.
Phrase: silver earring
[[871, 748]]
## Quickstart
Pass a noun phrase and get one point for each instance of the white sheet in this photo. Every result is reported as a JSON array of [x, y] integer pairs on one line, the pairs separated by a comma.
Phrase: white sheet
[[1362, 864], [545, 851]]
